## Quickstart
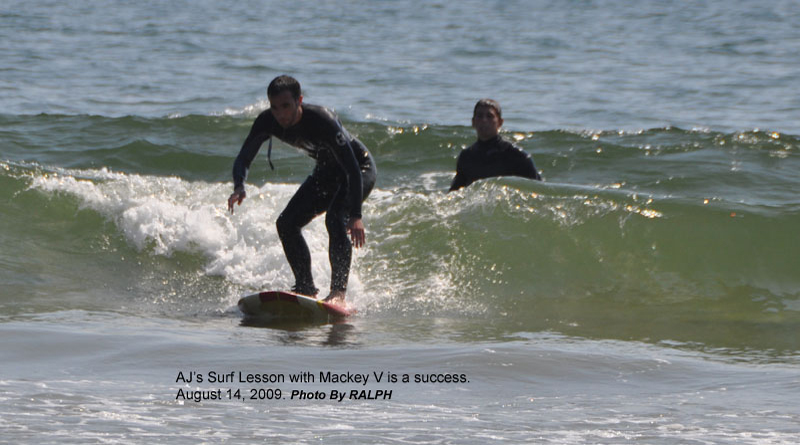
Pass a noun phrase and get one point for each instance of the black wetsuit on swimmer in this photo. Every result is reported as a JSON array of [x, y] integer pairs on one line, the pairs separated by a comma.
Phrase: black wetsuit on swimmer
[[342, 178], [494, 157]]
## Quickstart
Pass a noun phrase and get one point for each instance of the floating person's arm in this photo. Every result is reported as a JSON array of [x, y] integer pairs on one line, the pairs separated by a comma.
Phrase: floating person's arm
[[461, 179], [458, 182], [526, 168]]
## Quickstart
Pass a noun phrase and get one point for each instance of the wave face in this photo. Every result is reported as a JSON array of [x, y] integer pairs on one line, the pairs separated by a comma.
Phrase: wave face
[[662, 234]]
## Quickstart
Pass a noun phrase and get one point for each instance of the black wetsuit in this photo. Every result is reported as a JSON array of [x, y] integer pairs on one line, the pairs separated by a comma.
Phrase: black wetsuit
[[495, 157], [343, 177]]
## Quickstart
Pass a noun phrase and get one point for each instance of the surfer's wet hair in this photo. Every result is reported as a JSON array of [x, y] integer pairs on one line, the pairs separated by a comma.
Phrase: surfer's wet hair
[[284, 83], [489, 103]]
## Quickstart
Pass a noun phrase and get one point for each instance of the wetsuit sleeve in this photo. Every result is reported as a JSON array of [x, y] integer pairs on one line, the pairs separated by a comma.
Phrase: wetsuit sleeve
[[259, 133], [525, 166], [461, 179], [458, 182], [346, 157]]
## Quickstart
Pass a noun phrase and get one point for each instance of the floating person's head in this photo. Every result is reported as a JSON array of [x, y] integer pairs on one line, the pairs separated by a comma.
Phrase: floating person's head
[[487, 118]]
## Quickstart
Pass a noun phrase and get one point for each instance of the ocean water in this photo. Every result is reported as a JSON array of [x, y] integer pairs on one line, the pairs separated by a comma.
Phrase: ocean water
[[648, 291]]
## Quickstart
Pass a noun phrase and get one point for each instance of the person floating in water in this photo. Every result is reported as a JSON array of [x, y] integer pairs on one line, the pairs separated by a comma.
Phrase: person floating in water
[[491, 155], [342, 178]]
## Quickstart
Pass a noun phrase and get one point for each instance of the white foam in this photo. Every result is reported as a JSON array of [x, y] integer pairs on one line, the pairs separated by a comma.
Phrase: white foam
[[248, 110], [166, 215]]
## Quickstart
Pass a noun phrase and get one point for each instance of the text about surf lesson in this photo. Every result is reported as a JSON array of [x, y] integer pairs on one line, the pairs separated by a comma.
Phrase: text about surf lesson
[[328, 386]]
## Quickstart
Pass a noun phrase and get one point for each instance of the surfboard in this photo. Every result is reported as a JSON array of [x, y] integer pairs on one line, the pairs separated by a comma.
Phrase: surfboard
[[288, 306]]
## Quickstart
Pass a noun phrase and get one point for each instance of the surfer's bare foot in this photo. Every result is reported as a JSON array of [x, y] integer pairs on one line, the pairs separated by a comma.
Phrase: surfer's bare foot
[[336, 297]]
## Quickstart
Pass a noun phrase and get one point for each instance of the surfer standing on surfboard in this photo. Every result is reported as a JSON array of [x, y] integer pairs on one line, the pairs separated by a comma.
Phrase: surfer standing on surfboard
[[343, 176], [491, 155]]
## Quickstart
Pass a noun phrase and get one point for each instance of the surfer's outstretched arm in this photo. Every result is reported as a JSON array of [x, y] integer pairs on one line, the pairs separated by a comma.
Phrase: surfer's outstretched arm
[[259, 132]]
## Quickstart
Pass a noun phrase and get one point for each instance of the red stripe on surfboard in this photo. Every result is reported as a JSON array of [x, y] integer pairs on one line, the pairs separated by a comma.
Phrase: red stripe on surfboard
[[274, 295]]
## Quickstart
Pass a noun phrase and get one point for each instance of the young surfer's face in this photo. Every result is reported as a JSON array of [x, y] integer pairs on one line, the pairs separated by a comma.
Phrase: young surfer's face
[[486, 123], [285, 109]]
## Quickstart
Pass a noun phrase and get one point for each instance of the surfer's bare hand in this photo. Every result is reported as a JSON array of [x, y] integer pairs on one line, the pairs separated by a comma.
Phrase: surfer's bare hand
[[357, 233], [236, 198]]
